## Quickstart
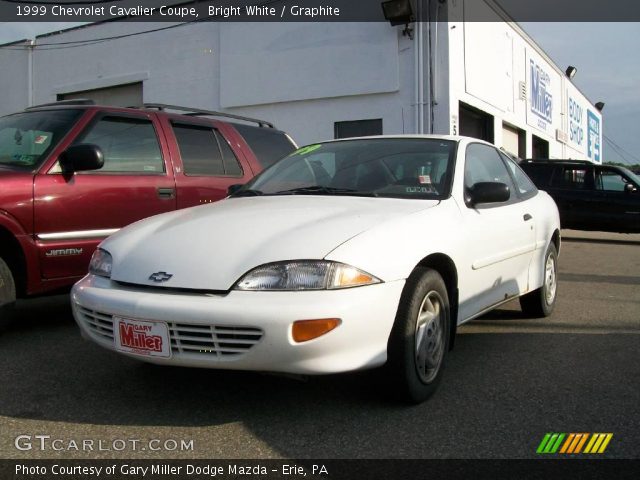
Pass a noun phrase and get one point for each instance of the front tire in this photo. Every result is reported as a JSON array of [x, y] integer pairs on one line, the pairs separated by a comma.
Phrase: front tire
[[7, 294], [419, 339], [541, 302]]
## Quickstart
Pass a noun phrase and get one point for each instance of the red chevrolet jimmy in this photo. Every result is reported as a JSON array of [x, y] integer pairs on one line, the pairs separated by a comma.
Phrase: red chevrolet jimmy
[[72, 173]]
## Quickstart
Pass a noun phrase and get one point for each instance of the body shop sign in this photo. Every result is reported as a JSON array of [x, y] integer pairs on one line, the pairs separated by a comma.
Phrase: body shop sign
[[576, 124]]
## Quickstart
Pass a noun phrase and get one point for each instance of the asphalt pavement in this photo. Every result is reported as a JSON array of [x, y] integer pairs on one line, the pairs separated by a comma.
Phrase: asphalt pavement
[[509, 381]]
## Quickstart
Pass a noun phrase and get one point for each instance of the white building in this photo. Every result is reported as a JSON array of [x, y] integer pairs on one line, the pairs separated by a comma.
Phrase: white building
[[324, 80]]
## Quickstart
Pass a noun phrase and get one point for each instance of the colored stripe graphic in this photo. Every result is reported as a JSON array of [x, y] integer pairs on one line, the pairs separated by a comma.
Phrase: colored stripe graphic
[[574, 442], [598, 443], [543, 443], [550, 443], [578, 448]]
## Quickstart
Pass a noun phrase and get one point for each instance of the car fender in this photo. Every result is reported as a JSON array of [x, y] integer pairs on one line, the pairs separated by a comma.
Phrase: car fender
[[393, 250]]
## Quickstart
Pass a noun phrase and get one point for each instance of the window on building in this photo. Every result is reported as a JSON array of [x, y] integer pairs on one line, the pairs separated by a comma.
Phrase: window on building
[[205, 152], [357, 128], [475, 123], [128, 144], [539, 148]]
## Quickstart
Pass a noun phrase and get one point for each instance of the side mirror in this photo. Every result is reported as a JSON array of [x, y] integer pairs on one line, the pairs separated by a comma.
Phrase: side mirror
[[488, 192], [630, 188], [81, 157], [234, 188]]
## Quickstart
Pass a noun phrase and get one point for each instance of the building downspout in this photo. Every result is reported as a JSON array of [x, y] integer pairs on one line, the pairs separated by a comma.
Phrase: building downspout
[[30, 48], [420, 76]]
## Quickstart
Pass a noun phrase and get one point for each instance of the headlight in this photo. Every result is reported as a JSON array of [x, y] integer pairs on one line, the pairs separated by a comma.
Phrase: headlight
[[101, 263], [304, 275]]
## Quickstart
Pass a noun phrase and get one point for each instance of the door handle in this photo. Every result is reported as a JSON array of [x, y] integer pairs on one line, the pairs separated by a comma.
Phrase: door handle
[[166, 192], [527, 217]]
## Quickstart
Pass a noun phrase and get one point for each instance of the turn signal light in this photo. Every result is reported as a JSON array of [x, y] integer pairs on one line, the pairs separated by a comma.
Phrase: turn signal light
[[305, 330]]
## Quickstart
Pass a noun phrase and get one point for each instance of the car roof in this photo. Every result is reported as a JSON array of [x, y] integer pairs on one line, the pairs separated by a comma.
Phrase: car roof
[[454, 138]]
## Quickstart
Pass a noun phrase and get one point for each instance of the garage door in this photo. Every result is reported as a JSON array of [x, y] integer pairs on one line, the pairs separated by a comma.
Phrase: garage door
[[513, 140], [129, 95]]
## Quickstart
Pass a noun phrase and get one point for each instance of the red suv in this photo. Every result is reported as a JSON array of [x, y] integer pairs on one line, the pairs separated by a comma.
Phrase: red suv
[[72, 173]]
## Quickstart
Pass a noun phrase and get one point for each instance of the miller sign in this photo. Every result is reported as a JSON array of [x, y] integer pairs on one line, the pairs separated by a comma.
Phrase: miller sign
[[541, 98]]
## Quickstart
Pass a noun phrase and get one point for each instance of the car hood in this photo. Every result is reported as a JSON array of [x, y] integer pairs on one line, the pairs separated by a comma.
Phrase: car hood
[[211, 247]]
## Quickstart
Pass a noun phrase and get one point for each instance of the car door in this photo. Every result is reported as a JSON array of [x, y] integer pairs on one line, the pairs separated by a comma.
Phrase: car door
[[74, 212], [501, 237], [206, 162], [572, 190], [619, 207]]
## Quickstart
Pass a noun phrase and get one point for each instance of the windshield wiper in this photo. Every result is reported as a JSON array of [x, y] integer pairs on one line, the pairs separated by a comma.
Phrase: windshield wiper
[[246, 193], [321, 190]]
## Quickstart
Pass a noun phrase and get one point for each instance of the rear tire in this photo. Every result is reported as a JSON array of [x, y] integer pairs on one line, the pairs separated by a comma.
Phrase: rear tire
[[419, 338], [541, 302], [7, 294]]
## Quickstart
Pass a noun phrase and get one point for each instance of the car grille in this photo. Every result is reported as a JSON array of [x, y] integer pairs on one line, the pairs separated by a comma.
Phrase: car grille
[[206, 340]]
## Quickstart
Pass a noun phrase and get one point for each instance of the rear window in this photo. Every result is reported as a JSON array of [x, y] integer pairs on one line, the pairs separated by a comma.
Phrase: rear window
[[268, 145]]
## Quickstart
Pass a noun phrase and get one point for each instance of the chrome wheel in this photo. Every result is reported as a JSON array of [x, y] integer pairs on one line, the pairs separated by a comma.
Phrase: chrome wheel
[[430, 337], [550, 280]]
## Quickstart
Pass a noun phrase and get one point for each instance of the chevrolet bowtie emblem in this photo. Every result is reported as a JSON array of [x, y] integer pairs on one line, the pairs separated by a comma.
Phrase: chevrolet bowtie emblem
[[160, 277]]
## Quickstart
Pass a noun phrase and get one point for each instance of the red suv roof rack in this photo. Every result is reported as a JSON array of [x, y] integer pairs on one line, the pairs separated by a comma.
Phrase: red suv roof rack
[[207, 113]]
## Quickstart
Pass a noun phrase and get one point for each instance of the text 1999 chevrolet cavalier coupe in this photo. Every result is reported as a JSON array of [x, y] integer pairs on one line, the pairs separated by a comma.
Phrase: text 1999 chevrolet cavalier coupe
[[344, 255]]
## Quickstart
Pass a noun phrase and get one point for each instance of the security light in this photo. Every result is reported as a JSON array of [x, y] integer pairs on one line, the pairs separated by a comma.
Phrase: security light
[[600, 106], [571, 71], [399, 12]]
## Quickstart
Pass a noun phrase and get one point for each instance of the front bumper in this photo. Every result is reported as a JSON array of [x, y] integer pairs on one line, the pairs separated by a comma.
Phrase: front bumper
[[247, 330]]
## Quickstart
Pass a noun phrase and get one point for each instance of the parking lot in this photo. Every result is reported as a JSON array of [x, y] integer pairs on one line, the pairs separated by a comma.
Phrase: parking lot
[[508, 382]]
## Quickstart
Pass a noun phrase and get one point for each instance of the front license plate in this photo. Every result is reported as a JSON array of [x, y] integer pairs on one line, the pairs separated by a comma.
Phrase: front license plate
[[141, 337]]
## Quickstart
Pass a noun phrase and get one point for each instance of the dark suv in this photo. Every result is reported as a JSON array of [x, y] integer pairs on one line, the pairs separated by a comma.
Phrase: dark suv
[[589, 196], [72, 173]]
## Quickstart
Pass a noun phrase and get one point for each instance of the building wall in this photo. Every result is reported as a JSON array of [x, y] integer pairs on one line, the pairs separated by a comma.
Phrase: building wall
[[302, 77], [305, 76], [14, 77]]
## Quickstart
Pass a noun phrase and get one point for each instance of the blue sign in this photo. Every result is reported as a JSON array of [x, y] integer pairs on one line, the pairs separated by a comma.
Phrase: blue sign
[[541, 98], [593, 137]]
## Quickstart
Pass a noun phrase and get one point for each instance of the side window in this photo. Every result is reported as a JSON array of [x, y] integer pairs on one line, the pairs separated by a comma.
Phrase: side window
[[268, 145], [128, 144], [483, 164], [230, 161], [540, 174], [610, 181], [570, 177], [525, 186], [205, 152]]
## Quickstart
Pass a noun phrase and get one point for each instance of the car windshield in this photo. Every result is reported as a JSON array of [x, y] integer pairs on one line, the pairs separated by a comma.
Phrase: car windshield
[[416, 168], [27, 138]]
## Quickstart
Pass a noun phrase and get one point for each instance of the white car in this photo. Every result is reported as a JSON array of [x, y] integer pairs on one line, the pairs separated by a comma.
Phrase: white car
[[345, 255]]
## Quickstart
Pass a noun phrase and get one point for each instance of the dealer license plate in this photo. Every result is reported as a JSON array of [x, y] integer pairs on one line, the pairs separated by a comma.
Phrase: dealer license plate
[[141, 337]]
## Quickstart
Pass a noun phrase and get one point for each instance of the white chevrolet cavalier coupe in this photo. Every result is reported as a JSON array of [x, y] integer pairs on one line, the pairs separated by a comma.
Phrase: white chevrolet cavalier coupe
[[344, 255]]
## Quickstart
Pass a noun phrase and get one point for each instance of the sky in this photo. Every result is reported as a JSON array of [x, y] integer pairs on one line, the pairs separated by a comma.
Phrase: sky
[[605, 54]]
